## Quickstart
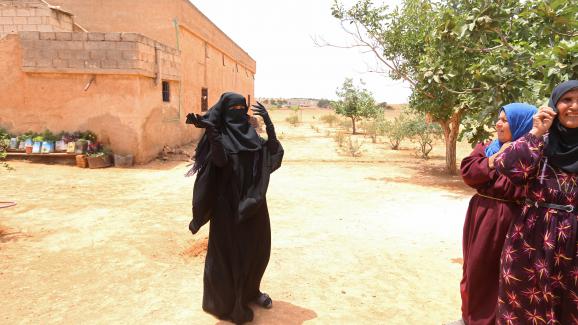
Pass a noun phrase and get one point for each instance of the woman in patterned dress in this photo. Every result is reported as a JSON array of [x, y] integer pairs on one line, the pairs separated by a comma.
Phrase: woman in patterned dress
[[490, 213], [539, 265]]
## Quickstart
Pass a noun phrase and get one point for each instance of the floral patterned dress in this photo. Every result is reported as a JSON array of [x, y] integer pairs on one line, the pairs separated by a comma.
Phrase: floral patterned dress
[[539, 265]]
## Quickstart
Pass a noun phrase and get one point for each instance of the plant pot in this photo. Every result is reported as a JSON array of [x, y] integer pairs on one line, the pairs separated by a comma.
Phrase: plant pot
[[123, 161], [47, 147], [81, 161], [28, 150], [99, 161], [81, 146], [37, 147]]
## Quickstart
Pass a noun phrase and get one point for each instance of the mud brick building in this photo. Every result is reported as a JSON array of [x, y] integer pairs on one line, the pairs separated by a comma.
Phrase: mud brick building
[[128, 70]]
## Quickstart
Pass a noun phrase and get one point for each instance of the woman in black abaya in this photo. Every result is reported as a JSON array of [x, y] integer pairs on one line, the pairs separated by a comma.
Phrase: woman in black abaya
[[233, 166]]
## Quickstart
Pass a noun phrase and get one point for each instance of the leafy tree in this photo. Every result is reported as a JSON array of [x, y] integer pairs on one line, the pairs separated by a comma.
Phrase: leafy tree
[[355, 103], [423, 133], [323, 103], [466, 58]]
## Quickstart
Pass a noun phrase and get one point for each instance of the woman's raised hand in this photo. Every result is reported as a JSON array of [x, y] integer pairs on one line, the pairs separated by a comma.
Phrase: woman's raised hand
[[542, 121]]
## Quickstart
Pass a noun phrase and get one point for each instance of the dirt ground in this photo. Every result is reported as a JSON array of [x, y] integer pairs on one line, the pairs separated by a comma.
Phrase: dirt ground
[[369, 240]]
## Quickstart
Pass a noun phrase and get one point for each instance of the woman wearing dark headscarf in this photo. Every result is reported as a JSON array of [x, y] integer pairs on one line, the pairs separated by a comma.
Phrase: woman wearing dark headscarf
[[539, 266], [490, 213], [234, 165]]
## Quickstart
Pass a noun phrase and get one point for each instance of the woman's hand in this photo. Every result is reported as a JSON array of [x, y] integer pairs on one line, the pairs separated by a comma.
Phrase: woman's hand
[[542, 121], [491, 159], [260, 110], [198, 121]]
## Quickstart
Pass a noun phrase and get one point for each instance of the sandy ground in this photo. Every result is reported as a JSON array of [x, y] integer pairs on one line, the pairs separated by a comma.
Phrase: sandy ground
[[368, 240]]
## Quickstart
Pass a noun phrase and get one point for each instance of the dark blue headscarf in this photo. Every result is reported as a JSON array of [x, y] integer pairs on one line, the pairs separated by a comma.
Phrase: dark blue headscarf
[[519, 117], [562, 147]]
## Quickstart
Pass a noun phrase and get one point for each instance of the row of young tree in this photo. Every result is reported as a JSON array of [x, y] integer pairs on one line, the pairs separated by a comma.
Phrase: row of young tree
[[466, 58], [358, 105]]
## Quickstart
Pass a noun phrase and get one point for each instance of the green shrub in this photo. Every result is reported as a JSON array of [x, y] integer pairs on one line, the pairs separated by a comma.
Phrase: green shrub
[[330, 119], [293, 120], [354, 146]]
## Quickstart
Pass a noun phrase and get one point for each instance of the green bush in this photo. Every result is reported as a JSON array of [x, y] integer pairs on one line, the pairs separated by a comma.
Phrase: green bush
[[293, 120], [339, 137], [354, 146], [330, 119], [423, 133]]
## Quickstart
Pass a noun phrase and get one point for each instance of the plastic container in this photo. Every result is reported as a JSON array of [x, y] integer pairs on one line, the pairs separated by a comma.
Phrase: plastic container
[[123, 161]]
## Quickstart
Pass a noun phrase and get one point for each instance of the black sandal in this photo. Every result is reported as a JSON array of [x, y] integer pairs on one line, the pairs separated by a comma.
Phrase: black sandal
[[264, 301]]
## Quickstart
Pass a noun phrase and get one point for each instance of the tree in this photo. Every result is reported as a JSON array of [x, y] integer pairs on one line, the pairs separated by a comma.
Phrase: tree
[[355, 103], [466, 58], [323, 103]]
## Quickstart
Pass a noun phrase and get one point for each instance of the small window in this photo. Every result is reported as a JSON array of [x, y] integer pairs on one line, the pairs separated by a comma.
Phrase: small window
[[166, 92]]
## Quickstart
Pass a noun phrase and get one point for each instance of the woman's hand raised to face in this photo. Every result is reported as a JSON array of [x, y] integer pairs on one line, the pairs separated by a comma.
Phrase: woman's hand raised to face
[[197, 121], [542, 121]]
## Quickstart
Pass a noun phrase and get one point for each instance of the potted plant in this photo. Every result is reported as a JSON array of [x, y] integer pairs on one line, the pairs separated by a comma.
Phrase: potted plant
[[99, 159], [37, 144], [48, 142], [81, 146]]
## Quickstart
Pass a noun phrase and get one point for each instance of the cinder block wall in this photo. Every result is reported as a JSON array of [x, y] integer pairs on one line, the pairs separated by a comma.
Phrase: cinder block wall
[[32, 15], [98, 53]]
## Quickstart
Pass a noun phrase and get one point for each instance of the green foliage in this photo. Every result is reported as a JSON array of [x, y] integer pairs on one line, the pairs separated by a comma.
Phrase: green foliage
[[466, 58], [395, 131], [354, 146], [423, 133], [293, 120], [4, 143], [323, 103], [355, 103], [330, 119], [339, 137]]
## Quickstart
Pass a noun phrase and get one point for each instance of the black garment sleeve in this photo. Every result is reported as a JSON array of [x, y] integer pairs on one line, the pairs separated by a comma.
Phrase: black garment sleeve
[[272, 142], [218, 154]]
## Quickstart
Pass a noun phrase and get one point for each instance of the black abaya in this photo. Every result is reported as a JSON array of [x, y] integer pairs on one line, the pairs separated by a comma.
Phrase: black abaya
[[230, 191]]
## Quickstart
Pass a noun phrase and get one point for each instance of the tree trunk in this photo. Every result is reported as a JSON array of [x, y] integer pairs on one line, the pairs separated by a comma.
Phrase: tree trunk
[[353, 124], [451, 130]]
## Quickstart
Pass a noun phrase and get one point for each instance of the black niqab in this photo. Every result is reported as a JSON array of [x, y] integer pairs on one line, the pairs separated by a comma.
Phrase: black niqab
[[562, 147], [237, 133]]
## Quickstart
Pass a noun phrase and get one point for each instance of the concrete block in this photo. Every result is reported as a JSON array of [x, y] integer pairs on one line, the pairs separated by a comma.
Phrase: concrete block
[[63, 36], [6, 21], [29, 28], [48, 53], [42, 12], [48, 36], [28, 44], [45, 28], [79, 36], [114, 37], [97, 54], [75, 45], [99, 45], [59, 64], [19, 20], [115, 55], [76, 64], [127, 64], [9, 12], [81, 54], [31, 53], [28, 62], [34, 20], [127, 46], [29, 36], [132, 37], [96, 36], [92, 64], [10, 29], [109, 64], [65, 54], [44, 63], [130, 55], [23, 12]]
